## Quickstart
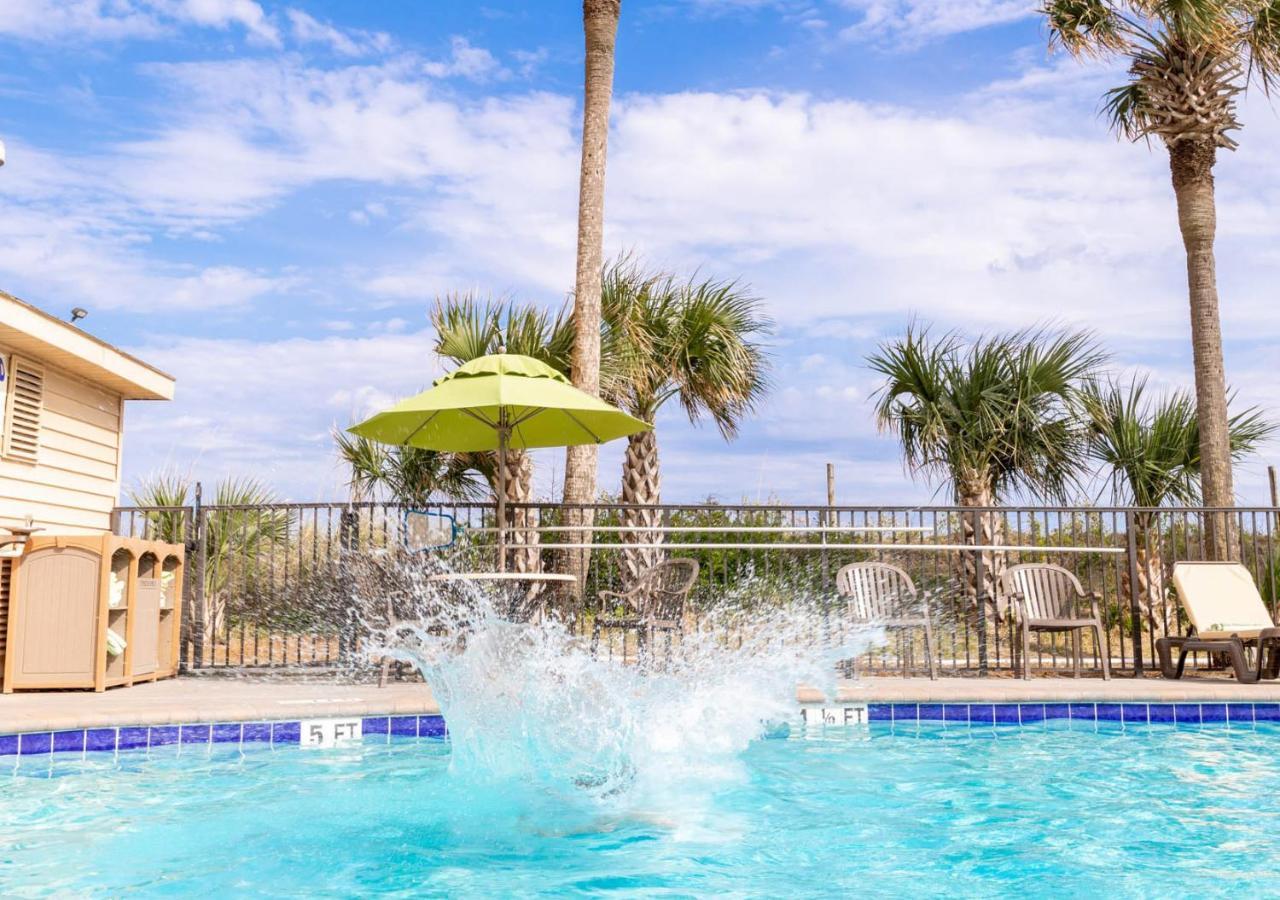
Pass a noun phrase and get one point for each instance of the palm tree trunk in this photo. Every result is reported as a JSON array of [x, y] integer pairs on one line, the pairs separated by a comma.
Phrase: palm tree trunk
[[1191, 163], [984, 528], [600, 24], [1152, 583], [641, 487]]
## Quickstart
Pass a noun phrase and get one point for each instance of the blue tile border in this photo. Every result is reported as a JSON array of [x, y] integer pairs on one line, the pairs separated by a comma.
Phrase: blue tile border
[[969, 715], [271, 733], [433, 727]]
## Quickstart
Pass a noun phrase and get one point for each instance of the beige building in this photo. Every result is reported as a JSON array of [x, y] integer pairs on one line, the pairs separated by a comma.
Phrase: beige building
[[62, 406]]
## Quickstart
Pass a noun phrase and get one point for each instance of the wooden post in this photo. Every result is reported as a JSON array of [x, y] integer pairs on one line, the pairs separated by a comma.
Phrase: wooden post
[[831, 493], [1275, 497]]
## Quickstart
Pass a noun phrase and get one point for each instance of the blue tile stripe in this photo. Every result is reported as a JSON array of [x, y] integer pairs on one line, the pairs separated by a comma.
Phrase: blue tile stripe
[[1120, 713], [432, 727], [142, 737]]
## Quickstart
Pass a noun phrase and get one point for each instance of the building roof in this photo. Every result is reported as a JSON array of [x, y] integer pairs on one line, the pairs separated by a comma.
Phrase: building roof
[[29, 331]]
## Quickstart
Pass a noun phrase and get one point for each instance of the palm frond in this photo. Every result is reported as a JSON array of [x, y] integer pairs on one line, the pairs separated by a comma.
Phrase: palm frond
[[1262, 42], [698, 342], [1150, 449], [1085, 27], [991, 416]]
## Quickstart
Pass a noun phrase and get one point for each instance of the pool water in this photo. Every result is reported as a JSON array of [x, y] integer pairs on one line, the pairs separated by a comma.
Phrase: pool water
[[1060, 809]]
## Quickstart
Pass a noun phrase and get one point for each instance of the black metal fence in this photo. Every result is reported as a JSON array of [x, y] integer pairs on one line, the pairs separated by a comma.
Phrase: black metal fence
[[265, 585]]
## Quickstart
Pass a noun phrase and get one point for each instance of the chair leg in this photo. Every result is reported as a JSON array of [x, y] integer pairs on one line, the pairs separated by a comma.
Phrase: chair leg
[[928, 651], [1240, 664], [1103, 653], [382, 675], [1075, 653], [1026, 653], [595, 637]]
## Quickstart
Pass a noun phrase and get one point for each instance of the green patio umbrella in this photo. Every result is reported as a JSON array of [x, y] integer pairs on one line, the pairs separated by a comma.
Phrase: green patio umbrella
[[496, 402]]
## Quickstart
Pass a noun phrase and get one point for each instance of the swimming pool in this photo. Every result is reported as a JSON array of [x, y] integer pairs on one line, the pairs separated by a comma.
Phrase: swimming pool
[[1062, 807]]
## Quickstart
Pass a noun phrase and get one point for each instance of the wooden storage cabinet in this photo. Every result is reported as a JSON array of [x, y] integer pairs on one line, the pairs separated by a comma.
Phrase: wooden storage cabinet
[[92, 612]]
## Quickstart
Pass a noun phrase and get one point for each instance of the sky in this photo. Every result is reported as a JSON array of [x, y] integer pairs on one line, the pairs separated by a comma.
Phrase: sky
[[263, 199]]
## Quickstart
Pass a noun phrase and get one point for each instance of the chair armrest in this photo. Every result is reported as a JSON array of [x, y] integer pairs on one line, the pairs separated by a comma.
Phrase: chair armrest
[[1016, 603], [1095, 598], [924, 606], [629, 599]]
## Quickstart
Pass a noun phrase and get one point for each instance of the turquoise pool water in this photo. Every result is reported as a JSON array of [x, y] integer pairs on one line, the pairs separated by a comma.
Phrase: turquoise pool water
[[1062, 809]]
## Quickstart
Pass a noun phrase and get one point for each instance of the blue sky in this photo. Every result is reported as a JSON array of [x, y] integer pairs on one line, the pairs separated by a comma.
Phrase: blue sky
[[263, 198]]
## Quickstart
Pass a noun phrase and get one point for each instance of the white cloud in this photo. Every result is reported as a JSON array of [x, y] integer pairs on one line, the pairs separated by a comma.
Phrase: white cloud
[[221, 14], [94, 20], [265, 407], [343, 41], [915, 21], [466, 61], [846, 216]]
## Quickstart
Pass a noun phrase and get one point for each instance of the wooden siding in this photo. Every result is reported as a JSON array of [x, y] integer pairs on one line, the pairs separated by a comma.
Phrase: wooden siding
[[75, 481]]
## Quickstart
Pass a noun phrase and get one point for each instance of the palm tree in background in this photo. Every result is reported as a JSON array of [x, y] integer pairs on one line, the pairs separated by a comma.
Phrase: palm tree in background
[[988, 418], [600, 27], [696, 343], [1189, 59], [468, 328], [241, 528], [411, 476], [1149, 449]]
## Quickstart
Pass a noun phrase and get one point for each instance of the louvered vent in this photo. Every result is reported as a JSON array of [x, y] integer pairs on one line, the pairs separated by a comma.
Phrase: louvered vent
[[22, 419], [6, 576]]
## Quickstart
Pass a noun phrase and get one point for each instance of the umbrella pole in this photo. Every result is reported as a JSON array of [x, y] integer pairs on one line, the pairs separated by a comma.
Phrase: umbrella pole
[[502, 492]]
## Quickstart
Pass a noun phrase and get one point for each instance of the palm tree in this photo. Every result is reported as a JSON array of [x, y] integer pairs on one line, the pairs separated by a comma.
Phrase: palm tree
[[600, 26], [694, 343], [988, 418], [1189, 59], [242, 528], [411, 476], [1150, 453], [468, 328]]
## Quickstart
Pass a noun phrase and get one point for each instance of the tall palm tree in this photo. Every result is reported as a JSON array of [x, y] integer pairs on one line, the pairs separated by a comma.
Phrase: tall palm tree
[[1150, 453], [988, 418], [600, 26], [695, 343], [1189, 59]]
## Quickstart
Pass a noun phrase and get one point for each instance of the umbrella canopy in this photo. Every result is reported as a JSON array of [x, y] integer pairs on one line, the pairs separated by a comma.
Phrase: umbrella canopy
[[466, 410], [496, 402]]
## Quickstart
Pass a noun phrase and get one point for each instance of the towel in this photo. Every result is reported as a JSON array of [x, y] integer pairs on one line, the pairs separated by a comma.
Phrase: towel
[[116, 595], [115, 643]]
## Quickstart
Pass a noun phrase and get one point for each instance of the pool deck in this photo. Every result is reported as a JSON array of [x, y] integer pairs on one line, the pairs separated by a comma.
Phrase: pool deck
[[189, 700]]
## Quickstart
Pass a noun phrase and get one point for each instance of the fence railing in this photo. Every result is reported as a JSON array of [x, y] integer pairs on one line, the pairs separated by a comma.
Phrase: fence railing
[[266, 586]]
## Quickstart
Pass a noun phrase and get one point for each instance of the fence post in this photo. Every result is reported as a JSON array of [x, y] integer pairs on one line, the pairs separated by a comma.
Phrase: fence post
[[979, 593], [1135, 602], [348, 544], [197, 544]]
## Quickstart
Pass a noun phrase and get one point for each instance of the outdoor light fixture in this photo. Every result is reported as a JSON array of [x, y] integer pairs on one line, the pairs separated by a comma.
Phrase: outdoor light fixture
[[78, 313]]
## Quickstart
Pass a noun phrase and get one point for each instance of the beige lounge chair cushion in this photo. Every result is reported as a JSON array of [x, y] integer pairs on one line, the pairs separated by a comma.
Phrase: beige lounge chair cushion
[[1221, 599]]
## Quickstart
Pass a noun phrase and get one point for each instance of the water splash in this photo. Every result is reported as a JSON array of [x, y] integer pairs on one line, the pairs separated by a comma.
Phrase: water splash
[[530, 706]]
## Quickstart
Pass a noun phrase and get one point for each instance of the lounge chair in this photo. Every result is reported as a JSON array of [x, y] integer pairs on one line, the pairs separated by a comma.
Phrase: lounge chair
[[884, 595], [1227, 615], [655, 603], [1046, 597]]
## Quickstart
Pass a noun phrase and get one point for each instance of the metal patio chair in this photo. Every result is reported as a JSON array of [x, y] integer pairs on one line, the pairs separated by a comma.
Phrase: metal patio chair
[[884, 595], [655, 603], [1048, 598]]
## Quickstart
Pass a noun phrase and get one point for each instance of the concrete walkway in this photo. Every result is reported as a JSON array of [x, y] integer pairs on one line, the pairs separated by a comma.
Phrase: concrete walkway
[[189, 700]]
